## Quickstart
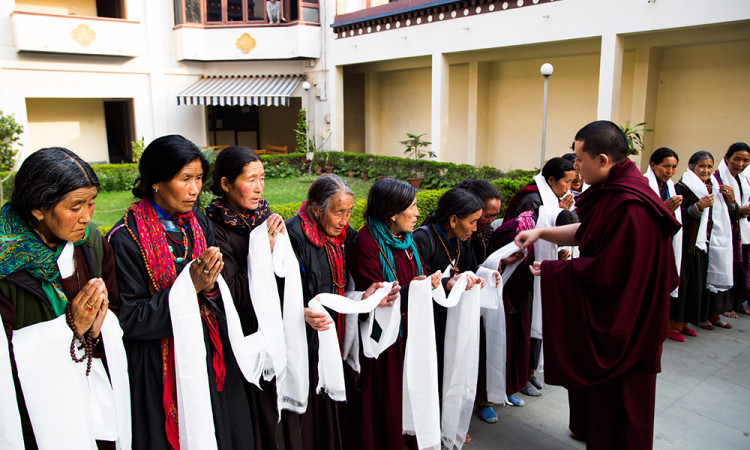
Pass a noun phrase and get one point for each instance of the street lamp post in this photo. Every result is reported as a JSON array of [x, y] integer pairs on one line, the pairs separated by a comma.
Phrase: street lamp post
[[546, 70]]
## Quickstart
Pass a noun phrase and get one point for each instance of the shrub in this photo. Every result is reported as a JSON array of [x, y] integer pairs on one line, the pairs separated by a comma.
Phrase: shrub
[[10, 134], [508, 188], [116, 177]]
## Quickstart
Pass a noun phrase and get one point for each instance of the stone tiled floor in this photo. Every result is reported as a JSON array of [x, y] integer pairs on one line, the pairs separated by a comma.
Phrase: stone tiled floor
[[702, 401]]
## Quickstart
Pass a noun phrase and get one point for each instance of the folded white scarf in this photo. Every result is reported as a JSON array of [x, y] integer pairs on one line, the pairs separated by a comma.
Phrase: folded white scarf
[[742, 199], [677, 238], [389, 319], [494, 322], [11, 435], [67, 409], [460, 366], [330, 365], [549, 198], [543, 251], [720, 276], [284, 335]]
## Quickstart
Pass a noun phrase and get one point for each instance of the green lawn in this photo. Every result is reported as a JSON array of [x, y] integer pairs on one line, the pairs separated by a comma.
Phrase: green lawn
[[110, 206]]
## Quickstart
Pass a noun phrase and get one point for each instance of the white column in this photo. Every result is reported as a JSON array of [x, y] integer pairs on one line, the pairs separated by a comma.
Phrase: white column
[[440, 96], [610, 77], [336, 100]]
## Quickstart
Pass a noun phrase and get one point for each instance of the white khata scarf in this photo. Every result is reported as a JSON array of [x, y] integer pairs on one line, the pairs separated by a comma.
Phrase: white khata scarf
[[720, 275], [284, 334], [330, 365], [543, 251], [67, 409], [677, 238], [421, 405], [494, 322], [11, 434], [742, 200]]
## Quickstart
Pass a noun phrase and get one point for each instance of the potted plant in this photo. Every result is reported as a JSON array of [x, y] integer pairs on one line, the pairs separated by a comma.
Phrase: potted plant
[[416, 147], [634, 134]]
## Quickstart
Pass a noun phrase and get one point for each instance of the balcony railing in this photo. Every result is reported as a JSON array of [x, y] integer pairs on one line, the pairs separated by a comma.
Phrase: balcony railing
[[247, 43], [37, 32]]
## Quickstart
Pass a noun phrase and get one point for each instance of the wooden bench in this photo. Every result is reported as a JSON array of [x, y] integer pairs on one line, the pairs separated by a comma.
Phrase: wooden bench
[[273, 150]]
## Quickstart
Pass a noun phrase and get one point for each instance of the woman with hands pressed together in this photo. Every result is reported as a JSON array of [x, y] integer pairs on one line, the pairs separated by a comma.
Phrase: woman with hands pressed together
[[238, 181], [157, 238], [735, 188], [698, 226], [50, 209]]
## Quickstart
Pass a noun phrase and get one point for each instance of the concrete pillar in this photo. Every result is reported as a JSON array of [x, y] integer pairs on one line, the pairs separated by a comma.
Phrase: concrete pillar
[[373, 114], [440, 97], [645, 89], [610, 77], [336, 100]]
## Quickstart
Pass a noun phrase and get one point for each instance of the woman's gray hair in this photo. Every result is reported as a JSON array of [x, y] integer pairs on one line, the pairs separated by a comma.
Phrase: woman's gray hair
[[324, 189]]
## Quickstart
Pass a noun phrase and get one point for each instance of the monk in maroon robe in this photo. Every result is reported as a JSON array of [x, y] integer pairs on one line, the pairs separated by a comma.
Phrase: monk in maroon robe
[[606, 313]]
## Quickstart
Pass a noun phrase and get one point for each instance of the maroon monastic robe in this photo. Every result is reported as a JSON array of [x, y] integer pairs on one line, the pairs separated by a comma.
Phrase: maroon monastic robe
[[381, 379], [606, 313]]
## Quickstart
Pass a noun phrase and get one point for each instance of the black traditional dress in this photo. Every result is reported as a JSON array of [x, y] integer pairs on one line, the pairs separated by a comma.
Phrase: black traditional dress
[[145, 320]]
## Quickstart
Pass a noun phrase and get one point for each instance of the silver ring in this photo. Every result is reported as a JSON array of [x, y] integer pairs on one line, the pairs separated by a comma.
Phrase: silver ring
[[205, 272]]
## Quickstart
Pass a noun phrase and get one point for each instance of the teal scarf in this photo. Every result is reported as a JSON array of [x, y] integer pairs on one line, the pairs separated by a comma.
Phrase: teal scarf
[[22, 249], [386, 241]]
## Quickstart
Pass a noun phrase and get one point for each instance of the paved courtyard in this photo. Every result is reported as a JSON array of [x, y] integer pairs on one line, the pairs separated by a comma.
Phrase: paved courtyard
[[702, 401]]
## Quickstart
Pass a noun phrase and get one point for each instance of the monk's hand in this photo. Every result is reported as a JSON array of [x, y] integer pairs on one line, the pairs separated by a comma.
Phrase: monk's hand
[[744, 211], [567, 201], [728, 192], [317, 320], [527, 237], [672, 203], [206, 269], [86, 305], [536, 268], [563, 254], [276, 226], [481, 281], [706, 201]]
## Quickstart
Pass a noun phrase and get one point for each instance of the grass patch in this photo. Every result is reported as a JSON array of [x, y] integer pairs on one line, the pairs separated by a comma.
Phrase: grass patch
[[110, 206]]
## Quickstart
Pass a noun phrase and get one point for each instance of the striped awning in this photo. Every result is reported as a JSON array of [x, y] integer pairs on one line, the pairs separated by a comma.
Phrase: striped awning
[[240, 90]]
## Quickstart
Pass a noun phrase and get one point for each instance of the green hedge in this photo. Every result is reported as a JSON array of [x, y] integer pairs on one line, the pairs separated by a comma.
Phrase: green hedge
[[116, 177], [435, 175]]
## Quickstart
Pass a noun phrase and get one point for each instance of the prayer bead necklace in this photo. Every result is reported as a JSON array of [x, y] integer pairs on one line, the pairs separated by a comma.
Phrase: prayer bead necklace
[[341, 285], [454, 270], [87, 342]]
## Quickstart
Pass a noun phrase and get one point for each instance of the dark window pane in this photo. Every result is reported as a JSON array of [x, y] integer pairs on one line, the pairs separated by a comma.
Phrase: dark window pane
[[254, 10], [234, 10], [293, 12], [311, 1], [213, 10], [177, 12], [192, 11], [310, 14]]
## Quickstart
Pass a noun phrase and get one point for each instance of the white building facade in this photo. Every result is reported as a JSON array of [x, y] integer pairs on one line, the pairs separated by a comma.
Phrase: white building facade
[[92, 75]]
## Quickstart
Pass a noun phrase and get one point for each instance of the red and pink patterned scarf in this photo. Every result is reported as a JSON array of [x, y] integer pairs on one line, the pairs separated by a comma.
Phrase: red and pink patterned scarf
[[162, 274], [336, 260]]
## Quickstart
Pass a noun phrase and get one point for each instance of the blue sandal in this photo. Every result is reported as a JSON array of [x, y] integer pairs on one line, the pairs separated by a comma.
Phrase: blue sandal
[[515, 401], [487, 414]]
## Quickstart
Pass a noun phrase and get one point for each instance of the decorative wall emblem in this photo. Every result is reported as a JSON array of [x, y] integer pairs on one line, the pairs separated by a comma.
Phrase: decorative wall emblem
[[83, 35], [245, 43]]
